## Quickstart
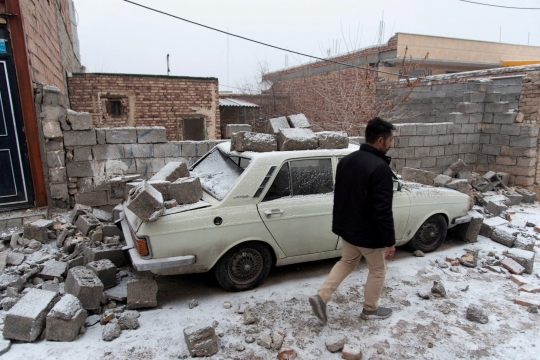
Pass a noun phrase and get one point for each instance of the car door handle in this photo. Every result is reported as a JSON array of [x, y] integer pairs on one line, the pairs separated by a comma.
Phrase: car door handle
[[273, 212]]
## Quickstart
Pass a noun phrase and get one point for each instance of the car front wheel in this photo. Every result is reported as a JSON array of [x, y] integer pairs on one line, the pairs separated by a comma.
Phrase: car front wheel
[[243, 267], [430, 235]]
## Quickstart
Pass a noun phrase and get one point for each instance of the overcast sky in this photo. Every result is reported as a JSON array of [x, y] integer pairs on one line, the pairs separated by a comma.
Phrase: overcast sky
[[119, 37]]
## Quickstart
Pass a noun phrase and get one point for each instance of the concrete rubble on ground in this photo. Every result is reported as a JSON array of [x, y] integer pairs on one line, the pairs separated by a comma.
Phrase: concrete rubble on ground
[[78, 270]]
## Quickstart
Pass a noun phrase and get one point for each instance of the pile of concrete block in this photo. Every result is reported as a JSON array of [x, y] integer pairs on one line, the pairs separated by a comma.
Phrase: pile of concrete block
[[288, 133]]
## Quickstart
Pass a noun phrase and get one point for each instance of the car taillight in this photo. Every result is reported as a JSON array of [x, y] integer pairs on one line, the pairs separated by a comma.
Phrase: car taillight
[[141, 243]]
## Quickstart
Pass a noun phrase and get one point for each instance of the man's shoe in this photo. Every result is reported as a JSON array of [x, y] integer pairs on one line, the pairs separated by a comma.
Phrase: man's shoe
[[380, 313], [319, 307]]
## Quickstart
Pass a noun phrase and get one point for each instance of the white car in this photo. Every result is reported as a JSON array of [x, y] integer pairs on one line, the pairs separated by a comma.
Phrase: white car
[[275, 208]]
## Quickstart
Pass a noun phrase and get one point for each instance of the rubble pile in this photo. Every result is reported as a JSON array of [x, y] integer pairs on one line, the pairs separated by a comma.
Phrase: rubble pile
[[58, 276], [288, 134]]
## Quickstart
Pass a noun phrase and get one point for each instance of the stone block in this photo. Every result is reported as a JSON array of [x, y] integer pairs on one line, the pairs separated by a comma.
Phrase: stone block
[[83, 153], [513, 197], [80, 138], [298, 121], [469, 108], [234, 128], [455, 168], [110, 230], [121, 135], [459, 118], [188, 149], [138, 150], [105, 271], [170, 149], [332, 140], [100, 136], [469, 232], [141, 293], [528, 196], [65, 319], [52, 130], [524, 243], [26, 319], [53, 270], [86, 286], [493, 97], [474, 97], [96, 198], [522, 257], [56, 159], [186, 190], [201, 340], [108, 152], [461, 185], [85, 169], [512, 266], [274, 125], [85, 223], [52, 95], [504, 235], [102, 215], [55, 113], [79, 120], [296, 139], [172, 171], [418, 175], [497, 107], [38, 230], [124, 166], [146, 202], [504, 118], [151, 134], [489, 224], [114, 254], [163, 187], [256, 142], [496, 207]]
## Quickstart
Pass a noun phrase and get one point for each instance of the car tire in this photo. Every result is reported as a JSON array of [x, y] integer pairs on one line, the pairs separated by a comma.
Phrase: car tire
[[430, 234], [244, 267]]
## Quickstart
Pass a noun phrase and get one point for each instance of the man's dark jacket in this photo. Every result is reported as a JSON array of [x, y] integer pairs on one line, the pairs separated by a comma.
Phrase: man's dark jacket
[[363, 199]]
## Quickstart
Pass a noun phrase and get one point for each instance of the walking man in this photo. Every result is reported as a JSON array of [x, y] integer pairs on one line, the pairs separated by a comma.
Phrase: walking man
[[362, 217]]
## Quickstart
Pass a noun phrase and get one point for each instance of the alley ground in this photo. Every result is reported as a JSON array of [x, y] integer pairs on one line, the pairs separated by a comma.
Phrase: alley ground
[[419, 329]]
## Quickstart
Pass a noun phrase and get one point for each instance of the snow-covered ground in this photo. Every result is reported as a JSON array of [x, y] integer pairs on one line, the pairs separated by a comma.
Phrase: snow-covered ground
[[419, 329]]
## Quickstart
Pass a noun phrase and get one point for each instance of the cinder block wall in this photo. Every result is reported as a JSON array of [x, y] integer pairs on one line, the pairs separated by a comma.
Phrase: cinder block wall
[[147, 100]]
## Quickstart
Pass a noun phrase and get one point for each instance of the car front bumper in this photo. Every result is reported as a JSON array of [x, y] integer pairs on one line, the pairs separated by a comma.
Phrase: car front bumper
[[141, 264]]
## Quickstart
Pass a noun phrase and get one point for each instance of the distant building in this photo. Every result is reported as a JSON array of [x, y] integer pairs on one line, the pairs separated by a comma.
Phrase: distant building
[[236, 111]]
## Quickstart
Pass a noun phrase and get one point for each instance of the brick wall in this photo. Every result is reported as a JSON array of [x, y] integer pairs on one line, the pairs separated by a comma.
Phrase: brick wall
[[147, 100], [49, 29]]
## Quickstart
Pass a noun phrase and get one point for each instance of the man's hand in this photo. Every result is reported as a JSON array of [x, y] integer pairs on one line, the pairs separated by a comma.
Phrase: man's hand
[[389, 252]]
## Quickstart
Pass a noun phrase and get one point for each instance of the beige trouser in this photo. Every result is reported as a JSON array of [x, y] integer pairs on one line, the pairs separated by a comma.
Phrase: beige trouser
[[350, 257]]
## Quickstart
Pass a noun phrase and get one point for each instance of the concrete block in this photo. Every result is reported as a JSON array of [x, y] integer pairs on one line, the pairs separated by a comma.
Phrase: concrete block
[[138, 150], [489, 224], [351, 352], [458, 118], [83, 153], [151, 134], [107, 152], [441, 180], [513, 197], [147, 166], [416, 141], [526, 299], [524, 243], [461, 185], [114, 254], [96, 198], [274, 125], [55, 113], [79, 120], [332, 139], [170, 149], [455, 168], [80, 138], [162, 186], [52, 95], [26, 319], [56, 159], [418, 175], [86, 286], [504, 118], [431, 141], [53, 270], [528, 196], [105, 271], [493, 97], [85, 223], [298, 121], [497, 107], [54, 145], [141, 293], [504, 235], [85, 169], [186, 190], [65, 319], [172, 171], [496, 207], [256, 142], [52, 130], [474, 97], [201, 340], [296, 139], [234, 128], [123, 135], [123, 166], [38, 230], [512, 266], [188, 149], [469, 232], [523, 257], [469, 108], [146, 202], [100, 136]]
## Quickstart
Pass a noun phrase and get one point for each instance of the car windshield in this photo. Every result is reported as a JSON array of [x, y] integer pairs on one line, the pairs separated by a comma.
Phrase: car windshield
[[219, 172]]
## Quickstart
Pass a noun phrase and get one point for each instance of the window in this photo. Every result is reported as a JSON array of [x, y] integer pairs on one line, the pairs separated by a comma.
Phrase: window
[[302, 177], [114, 107], [194, 128]]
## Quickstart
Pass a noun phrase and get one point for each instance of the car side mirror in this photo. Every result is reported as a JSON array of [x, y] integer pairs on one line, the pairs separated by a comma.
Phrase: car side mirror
[[397, 185]]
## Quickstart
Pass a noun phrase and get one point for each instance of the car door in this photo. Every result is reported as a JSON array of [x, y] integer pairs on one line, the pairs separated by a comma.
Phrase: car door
[[297, 208]]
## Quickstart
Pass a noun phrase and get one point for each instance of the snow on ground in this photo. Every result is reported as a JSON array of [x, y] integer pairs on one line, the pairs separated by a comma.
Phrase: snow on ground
[[419, 329]]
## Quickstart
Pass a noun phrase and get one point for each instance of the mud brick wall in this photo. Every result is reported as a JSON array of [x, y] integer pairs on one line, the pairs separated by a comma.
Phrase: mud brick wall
[[51, 40], [147, 100]]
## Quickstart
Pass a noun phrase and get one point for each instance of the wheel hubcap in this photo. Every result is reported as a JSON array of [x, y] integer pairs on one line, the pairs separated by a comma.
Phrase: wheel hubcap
[[245, 266], [429, 234]]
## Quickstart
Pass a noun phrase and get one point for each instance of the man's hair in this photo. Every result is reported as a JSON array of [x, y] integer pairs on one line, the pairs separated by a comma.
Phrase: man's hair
[[377, 128]]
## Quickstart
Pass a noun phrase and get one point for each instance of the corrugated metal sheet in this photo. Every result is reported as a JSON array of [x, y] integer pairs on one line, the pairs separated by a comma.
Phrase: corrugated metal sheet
[[236, 102]]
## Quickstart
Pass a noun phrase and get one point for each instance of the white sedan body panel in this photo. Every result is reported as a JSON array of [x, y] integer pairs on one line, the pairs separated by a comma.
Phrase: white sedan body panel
[[297, 228]]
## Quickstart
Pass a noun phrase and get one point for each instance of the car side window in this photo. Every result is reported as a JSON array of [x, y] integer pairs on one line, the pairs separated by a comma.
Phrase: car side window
[[311, 176], [281, 187]]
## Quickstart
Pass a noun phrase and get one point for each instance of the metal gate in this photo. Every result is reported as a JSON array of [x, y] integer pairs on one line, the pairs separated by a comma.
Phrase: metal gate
[[15, 180]]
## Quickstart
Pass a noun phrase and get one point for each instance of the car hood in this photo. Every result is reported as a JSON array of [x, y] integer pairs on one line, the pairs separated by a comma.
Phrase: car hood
[[424, 192]]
